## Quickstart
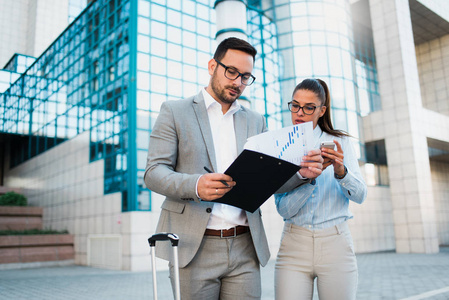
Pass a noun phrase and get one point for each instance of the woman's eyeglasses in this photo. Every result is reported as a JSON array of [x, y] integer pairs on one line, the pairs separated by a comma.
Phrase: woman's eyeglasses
[[307, 109]]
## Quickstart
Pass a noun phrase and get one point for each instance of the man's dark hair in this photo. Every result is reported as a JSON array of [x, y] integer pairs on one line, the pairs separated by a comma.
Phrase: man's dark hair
[[235, 44]]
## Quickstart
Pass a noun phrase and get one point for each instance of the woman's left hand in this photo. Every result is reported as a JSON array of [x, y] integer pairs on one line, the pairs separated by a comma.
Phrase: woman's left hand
[[335, 158], [312, 164]]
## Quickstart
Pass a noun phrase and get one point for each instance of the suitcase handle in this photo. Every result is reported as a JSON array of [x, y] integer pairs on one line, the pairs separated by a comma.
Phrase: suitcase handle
[[174, 239], [164, 236]]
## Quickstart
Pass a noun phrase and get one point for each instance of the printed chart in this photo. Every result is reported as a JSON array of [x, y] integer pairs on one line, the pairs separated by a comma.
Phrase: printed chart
[[289, 143]]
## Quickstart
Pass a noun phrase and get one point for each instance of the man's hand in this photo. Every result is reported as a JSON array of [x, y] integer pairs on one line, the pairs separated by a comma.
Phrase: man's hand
[[312, 164], [211, 188]]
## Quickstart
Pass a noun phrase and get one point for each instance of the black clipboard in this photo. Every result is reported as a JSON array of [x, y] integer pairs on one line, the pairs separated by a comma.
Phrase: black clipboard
[[257, 176]]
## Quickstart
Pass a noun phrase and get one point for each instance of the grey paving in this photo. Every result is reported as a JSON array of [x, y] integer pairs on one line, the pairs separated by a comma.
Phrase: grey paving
[[381, 276]]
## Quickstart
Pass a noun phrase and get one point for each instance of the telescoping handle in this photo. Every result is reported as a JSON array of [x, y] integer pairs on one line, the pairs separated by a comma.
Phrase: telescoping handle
[[163, 236], [174, 239]]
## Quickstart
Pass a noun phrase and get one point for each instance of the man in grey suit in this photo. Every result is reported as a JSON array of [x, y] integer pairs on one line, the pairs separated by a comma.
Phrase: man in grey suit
[[221, 246]]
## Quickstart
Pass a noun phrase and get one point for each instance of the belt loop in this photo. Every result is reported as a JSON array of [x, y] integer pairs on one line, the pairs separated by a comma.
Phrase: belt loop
[[342, 227], [289, 227], [338, 229]]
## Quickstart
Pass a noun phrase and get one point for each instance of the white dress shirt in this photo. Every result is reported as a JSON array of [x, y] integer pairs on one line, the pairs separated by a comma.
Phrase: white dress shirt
[[223, 133]]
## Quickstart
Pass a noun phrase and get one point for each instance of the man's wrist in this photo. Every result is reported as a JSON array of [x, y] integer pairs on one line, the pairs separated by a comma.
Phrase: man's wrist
[[309, 180], [342, 176], [301, 177]]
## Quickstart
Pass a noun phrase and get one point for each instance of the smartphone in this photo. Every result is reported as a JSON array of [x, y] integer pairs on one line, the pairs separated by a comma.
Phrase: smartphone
[[329, 145]]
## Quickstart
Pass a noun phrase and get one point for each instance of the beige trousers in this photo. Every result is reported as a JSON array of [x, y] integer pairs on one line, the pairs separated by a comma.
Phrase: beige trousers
[[327, 255]]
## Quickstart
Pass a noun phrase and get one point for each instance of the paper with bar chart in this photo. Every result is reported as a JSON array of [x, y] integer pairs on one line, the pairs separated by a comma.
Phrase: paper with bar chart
[[268, 161], [289, 143]]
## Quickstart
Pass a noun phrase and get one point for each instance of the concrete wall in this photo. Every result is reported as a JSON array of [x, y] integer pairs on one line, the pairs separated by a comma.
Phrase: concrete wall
[[372, 227], [40, 23], [440, 7], [11, 30], [400, 125], [137, 227], [52, 17], [70, 190], [433, 68], [440, 179]]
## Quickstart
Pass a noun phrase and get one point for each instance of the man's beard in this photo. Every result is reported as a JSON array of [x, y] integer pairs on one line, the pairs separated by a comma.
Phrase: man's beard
[[221, 92]]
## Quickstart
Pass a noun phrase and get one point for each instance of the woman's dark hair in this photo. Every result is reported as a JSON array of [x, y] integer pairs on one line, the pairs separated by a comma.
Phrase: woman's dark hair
[[235, 44], [319, 87]]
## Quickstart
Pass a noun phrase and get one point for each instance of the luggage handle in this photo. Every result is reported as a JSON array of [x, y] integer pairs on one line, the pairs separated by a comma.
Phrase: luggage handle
[[164, 236], [174, 239]]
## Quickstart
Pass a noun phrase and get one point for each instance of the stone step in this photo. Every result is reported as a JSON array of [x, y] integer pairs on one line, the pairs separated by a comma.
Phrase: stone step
[[20, 217], [5, 189], [36, 248], [17, 249]]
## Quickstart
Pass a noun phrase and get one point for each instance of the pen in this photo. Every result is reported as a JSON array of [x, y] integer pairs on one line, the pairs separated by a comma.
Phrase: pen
[[222, 181]]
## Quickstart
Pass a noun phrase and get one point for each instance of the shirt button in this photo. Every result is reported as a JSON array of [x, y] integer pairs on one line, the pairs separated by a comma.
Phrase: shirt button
[[209, 210], [310, 226], [313, 195]]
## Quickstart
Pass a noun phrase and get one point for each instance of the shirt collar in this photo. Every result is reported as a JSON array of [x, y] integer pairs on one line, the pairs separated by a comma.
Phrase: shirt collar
[[317, 132], [209, 101]]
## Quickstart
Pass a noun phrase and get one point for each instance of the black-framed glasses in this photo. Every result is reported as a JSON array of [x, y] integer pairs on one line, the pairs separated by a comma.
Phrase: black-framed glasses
[[307, 109], [232, 74]]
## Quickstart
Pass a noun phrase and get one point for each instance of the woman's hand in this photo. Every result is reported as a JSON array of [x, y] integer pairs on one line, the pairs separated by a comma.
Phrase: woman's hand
[[335, 158], [312, 164]]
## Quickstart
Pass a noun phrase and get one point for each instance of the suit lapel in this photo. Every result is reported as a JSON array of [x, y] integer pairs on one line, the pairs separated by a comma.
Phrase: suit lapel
[[203, 120], [240, 122]]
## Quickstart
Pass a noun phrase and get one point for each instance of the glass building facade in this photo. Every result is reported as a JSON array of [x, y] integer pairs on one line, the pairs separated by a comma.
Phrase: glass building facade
[[174, 43], [317, 38], [75, 8], [12, 70], [76, 120], [110, 70], [80, 83], [6, 79]]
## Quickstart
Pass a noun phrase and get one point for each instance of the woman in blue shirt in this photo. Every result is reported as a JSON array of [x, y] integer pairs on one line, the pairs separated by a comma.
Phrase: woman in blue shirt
[[316, 242]]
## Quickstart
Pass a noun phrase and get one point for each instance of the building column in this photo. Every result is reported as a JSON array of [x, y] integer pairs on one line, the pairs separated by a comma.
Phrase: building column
[[406, 144], [231, 19]]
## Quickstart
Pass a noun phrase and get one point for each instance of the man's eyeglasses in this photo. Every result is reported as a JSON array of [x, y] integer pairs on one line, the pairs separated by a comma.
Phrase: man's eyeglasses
[[307, 109], [232, 74]]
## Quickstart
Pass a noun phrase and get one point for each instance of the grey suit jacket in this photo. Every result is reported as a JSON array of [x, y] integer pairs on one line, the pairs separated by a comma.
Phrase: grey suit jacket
[[181, 145]]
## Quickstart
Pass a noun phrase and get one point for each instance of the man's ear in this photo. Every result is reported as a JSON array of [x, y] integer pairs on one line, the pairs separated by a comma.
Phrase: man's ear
[[211, 65]]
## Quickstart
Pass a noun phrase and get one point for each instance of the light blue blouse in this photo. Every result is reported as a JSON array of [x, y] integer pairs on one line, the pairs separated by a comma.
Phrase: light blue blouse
[[326, 203]]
